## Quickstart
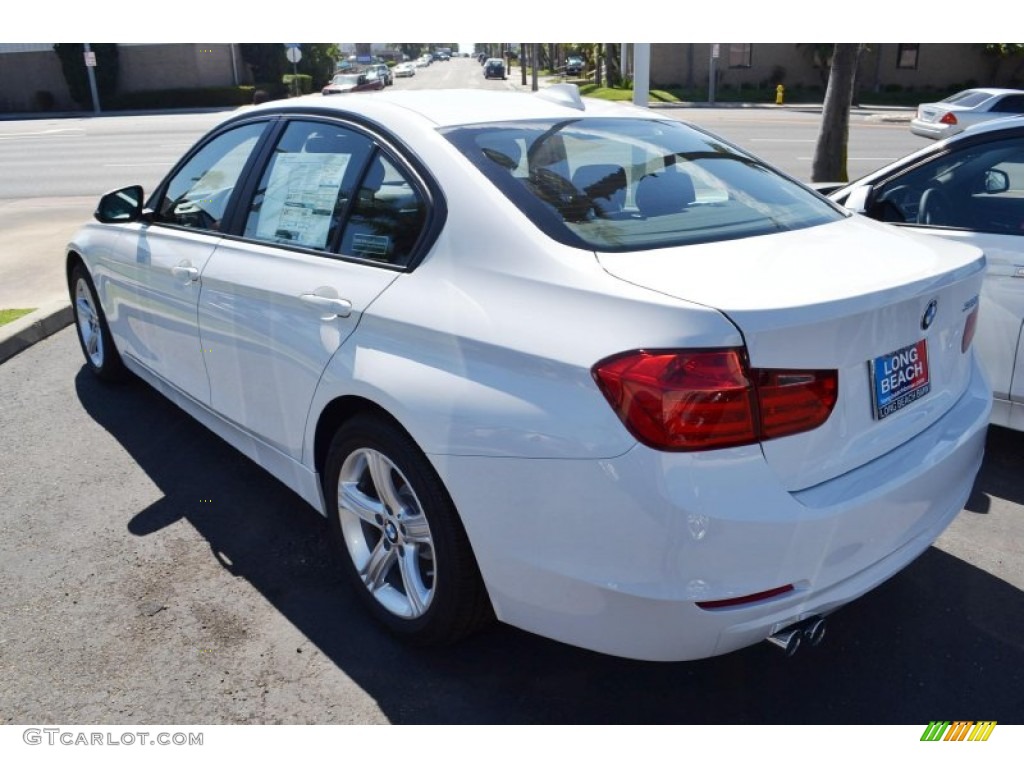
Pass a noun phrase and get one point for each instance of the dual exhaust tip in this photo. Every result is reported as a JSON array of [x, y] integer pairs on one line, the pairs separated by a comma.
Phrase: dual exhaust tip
[[809, 631]]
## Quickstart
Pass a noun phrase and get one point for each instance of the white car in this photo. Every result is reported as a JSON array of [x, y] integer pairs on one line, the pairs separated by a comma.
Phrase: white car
[[968, 188], [945, 118], [568, 363], [405, 69]]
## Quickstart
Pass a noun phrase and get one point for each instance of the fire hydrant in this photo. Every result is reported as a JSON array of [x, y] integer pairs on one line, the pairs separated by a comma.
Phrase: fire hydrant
[[779, 93]]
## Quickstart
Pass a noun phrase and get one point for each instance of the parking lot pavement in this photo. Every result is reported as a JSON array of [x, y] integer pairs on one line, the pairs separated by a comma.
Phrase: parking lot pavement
[[153, 574]]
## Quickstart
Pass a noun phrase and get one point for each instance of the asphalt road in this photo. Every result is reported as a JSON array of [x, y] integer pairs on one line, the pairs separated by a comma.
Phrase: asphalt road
[[153, 575]]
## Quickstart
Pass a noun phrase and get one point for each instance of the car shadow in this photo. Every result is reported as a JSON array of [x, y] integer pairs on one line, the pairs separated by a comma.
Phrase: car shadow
[[1000, 475], [942, 640]]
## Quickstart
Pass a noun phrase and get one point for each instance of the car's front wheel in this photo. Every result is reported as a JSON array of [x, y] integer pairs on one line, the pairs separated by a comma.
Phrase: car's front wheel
[[400, 536], [91, 325]]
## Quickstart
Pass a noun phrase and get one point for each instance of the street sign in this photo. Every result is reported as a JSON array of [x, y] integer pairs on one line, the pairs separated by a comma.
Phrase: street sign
[[294, 55], [90, 58]]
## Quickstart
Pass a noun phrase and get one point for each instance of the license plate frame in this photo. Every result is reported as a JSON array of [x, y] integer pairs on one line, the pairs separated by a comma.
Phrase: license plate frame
[[899, 378]]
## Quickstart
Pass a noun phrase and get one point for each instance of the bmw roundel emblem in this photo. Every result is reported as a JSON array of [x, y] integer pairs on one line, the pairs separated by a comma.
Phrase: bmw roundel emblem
[[929, 315]]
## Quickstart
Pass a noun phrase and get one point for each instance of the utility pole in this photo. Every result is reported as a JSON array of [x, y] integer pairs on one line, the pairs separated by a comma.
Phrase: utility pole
[[90, 68], [711, 73], [641, 74]]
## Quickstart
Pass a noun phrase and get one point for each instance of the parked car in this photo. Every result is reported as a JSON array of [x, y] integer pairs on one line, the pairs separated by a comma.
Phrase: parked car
[[494, 68], [968, 188], [568, 363], [383, 71], [951, 115], [574, 66], [352, 82], [405, 69]]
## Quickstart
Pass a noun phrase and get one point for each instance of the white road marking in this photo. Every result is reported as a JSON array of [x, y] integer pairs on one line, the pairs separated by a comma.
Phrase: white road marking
[[48, 132]]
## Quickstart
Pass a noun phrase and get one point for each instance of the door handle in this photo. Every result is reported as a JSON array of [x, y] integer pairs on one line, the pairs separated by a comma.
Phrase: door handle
[[182, 271], [339, 307]]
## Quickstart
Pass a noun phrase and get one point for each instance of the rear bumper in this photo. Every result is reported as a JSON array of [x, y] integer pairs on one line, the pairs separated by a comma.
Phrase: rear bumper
[[613, 555], [932, 130]]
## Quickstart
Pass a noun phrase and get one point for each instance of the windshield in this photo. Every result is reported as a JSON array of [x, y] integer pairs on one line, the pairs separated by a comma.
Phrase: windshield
[[345, 80], [633, 184]]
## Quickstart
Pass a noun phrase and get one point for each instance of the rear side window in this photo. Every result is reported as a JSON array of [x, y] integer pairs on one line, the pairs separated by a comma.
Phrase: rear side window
[[633, 184], [331, 188], [388, 215], [308, 185]]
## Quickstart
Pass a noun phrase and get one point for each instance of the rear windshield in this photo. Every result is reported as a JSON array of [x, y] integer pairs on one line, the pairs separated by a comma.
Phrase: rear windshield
[[628, 184], [968, 98]]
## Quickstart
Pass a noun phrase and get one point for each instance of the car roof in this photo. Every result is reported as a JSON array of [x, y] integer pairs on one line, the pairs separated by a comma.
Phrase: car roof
[[988, 92], [452, 107]]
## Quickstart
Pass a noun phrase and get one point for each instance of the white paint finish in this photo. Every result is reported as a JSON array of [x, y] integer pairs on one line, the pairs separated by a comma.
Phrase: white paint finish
[[483, 353], [264, 346], [998, 341]]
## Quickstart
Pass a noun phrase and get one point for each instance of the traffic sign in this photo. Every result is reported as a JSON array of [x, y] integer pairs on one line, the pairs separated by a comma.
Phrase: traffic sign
[[294, 55]]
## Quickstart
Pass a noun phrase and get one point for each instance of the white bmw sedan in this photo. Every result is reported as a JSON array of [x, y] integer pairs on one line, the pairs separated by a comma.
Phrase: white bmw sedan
[[590, 371]]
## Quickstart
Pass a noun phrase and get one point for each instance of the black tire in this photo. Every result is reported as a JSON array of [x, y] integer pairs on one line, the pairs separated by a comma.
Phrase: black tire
[[101, 356], [399, 535]]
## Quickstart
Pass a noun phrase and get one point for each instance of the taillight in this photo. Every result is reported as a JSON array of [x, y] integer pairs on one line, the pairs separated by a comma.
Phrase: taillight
[[948, 119], [688, 400], [970, 325]]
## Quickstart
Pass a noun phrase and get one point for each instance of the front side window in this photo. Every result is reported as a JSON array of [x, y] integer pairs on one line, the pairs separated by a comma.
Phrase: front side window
[[308, 185], [197, 195], [1013, 105], [631, 184], [979, 188]]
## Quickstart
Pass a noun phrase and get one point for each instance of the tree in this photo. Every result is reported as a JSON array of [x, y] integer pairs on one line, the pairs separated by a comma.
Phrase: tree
[[830, 153], [268, 64], [72, 62], [998, 53], [318, 61]]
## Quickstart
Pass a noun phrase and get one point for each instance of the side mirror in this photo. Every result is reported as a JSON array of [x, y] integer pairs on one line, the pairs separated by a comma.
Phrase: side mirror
[[120, 206], [996, 182]]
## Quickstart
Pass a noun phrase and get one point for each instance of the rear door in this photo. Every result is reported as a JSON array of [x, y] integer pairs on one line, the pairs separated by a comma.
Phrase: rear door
[[331, 224]]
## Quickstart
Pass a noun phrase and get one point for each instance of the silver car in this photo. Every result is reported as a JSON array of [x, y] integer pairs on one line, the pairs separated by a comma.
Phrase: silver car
[[951, 115]]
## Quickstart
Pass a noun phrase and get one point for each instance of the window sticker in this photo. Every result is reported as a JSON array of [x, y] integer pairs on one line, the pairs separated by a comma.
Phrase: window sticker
[[371, 246], [300, 198]]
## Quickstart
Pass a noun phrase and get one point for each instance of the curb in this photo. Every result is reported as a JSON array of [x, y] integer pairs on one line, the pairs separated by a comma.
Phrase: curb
[[33, 327]]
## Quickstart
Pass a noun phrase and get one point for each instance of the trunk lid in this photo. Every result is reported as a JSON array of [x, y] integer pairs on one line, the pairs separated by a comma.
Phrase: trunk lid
[[856, 296]]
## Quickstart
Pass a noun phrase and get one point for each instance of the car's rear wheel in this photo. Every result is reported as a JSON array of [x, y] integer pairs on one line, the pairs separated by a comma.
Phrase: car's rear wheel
[[91, 325], [399, 535]]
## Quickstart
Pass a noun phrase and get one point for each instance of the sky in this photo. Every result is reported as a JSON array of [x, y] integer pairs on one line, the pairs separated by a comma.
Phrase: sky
[[524, 21]]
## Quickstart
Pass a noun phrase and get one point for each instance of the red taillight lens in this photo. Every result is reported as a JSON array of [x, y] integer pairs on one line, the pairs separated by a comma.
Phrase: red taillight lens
[[970, 325], [795, 401], [948, 119], [688, 400]]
